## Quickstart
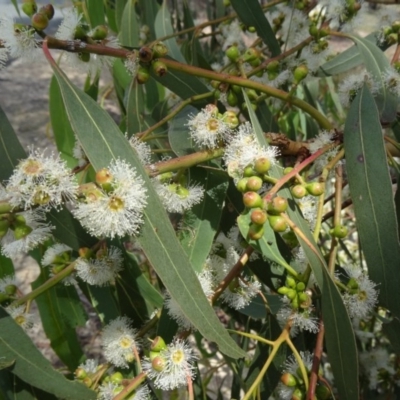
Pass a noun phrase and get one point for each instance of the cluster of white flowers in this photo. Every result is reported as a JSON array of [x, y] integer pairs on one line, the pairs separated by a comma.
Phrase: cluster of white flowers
[[177, 198], [32, 231], [66, 31], [101, 270], [17, 40], [173, 366], [362, 299], [243, 150], [119, 211], [142, 149], [291, 366], [42, 181], [207, 129], [119, 342]]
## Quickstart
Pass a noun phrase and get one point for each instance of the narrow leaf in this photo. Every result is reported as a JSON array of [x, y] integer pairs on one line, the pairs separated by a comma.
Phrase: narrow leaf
[[163, 27], [200, 224], [372, 195], [129, 32], [95, 11], [158, 239], [11, 150], [178, 132], [251, 14], [32, 367]]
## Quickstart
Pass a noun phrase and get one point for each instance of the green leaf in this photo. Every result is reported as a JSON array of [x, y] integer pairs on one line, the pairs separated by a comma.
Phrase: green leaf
[[68, 230], [266, 118], [135, 109], [148, 13], [110, 14], [32, 367], [95, 11], [6, 266], [11, 150], [372, 195], [61, 311], [119, 12], [339, 334], [92, 124], [63, 133], [178, 133], [348, 59], [377, 65], [163, 27], [201, 223], [129, 32], [251, 14]]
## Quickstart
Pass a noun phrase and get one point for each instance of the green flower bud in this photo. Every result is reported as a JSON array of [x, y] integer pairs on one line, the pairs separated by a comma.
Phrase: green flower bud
[[283, 290], [230, 118], [22, 231], [300, 286], [278, 223], [291, 294], [104, 179], [262, 165], [232, 98], [159, 50], [290, 282], [251, 94], [48, 10], [339, 231], [4, 297], [315, 188], [256, 231], [242, 185], [249, 171], [142, 75], [251, 54], [87, 381], [116, 378], [158, 363], [10, 290], [252, 200], [100, 32], [158, 344], [237, 89], [298, 191], [392, 38], [288, 379], [252, 29], [396, 26], [80, 373], [232, 53], [85, 57], [300, 73], [80, 33], [298, 395], [39, 21], [258, 217], [277, 205], [322, 392], [287, 170], [254, 183], [29, 7], [159, 68], [273, 66], [352, 284]]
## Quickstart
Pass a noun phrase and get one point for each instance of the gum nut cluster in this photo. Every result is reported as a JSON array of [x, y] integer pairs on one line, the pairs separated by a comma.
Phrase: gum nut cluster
[[41, 180], [292, 385], [169, 366], [115, 205], [209, 128], [39, 17]]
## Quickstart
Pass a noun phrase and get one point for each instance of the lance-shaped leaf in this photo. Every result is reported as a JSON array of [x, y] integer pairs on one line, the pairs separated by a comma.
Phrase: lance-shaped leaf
[[102, 141], [377, 64], [372, 195], [32, 367], [11, 150], [129, 33], [201, 223], [339, 334], [251, 14], [163, 27]]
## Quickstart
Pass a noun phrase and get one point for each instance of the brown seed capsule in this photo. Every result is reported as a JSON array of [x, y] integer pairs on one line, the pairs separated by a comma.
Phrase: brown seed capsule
[[145, 54], [39, 21], [48, 10]]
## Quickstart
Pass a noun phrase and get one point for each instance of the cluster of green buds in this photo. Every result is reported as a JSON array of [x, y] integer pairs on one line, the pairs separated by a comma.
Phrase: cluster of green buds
[[299, 189], [150, 58], [176, 184], [391, 34], [296, 291], [15, 222], [157, 359], [88, 378], [39, 17], [8, 293], [296, 382]]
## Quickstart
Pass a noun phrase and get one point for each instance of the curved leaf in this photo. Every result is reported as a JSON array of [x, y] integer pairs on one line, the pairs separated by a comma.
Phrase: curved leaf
[[372, 194], [95, 12], [377, 65], [158, 239], [32, 367], [11, 150], [251, 14], [163, 27], [129, 32]]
